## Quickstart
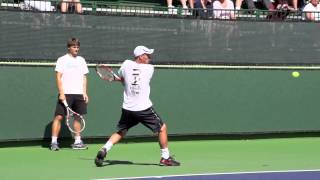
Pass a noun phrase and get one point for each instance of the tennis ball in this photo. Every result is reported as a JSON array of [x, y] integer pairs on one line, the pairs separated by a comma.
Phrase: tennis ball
[[295, 74]]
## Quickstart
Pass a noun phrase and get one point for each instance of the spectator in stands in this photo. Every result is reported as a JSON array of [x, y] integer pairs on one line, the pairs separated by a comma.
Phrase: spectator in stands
[[183, 3], [283, 5], [286, 5], [312, 11], [281, 12], [202, 6], [223, 9], [75, 3], [250, 3]]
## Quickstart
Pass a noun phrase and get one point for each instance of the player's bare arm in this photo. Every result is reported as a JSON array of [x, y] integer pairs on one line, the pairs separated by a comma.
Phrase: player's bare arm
[[85, 95], [60, 86]]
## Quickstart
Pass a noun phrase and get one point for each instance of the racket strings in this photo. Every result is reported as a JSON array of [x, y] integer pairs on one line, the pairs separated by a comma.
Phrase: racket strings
[[105, 73], [71, 120]]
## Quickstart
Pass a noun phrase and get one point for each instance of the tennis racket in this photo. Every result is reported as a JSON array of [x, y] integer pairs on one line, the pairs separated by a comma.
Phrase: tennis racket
[[106, 73], [72, 117]]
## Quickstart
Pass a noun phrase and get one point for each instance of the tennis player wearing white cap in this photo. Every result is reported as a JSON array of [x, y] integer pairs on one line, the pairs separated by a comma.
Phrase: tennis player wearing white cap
[[137, 106]]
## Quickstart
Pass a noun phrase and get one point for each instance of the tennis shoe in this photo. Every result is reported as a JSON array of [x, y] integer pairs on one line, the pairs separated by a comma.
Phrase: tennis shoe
[[169, 162], [100, 157], [79, 146], [54, 147]]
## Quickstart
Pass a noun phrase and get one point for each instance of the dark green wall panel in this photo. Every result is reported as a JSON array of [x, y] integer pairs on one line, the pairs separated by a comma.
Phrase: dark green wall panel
[[177, 41], [190, 101]]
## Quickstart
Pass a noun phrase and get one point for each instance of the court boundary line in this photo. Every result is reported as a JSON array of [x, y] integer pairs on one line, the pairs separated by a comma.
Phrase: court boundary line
[[195, 66], [214, 174]]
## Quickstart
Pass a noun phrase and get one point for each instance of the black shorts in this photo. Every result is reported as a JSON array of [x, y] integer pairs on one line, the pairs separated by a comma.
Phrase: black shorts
[[148, 118], [75, 102]]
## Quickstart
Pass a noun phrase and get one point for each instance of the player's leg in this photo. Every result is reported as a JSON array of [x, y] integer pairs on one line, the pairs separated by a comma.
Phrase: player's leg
[[56, 125], [55, 129], [152, 120], [114, 139], [102, 153], [77, 127], [78, 143], [166, 159], [125, 123], [79, 105], [163, 137]]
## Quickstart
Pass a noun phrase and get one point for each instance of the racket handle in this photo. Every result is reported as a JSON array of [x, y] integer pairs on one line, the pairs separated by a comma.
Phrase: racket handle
[[65, 103], [115, 76]]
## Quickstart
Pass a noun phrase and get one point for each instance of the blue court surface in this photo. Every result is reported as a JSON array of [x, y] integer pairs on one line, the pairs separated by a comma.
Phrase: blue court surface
[[263, 175]]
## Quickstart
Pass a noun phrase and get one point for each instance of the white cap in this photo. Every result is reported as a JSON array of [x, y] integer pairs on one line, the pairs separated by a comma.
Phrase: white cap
[[140, 50]]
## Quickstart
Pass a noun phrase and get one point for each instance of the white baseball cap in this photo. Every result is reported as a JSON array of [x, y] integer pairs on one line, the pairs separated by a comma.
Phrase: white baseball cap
[[140, 50]]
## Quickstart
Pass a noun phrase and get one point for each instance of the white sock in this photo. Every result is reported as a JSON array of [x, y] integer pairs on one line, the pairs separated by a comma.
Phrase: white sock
[[77, 139], [238, 8], [54, 139], [165, 153], [108, 146]]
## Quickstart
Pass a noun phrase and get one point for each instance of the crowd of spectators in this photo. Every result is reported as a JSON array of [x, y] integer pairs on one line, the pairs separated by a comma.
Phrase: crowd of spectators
[[225, 9], [218, 9], [248, 4]]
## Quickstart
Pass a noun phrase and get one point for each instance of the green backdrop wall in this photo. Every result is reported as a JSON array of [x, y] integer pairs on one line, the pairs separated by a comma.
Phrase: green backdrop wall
[[42, 36], [190, 101]]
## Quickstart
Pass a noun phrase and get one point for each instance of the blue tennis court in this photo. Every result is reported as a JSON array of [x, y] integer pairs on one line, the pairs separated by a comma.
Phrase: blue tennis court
[[264, 175]]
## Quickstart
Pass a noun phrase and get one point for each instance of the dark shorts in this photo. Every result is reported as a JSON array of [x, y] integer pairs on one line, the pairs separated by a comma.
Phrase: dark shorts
[[75, 102], [148, 118]]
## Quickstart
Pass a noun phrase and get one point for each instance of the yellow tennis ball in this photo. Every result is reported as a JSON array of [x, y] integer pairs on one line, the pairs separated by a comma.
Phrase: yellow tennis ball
[[295, 74]]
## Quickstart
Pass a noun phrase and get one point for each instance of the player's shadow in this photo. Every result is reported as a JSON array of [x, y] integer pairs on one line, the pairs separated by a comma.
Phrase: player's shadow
[[120, 162]]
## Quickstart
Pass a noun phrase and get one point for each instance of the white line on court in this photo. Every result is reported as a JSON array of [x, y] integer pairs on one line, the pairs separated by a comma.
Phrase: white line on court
[[213, 174]]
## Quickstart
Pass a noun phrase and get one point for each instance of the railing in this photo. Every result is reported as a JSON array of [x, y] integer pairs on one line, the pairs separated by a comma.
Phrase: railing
[[116, 9]]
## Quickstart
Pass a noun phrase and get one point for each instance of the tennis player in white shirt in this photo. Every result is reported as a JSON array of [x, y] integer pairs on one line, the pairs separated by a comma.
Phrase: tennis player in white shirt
[[137, 106], [71, 76]]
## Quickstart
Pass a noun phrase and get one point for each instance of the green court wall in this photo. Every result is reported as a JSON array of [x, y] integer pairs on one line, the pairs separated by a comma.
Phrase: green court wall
[[212, 101], [42, 36]]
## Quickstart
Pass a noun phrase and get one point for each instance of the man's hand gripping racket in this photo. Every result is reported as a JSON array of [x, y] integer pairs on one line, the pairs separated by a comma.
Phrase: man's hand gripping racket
[[106, 73], [73, 116]]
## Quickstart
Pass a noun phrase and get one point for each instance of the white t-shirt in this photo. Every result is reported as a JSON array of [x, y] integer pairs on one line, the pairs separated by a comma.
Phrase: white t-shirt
[[310, 8], [73, 70], [221, 12], [137, 79]]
